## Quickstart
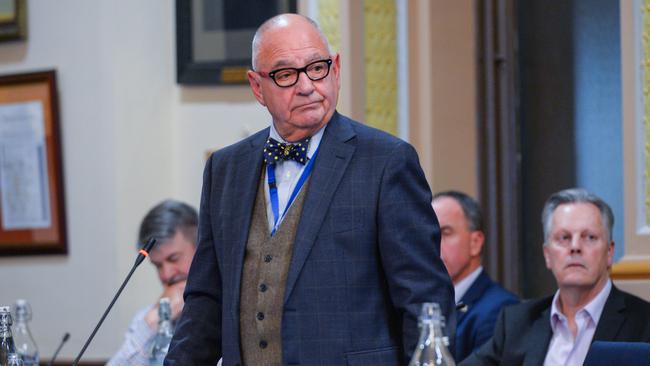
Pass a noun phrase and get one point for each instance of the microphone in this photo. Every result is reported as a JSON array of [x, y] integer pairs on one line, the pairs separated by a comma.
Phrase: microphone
[[66, 336], [144, 252]]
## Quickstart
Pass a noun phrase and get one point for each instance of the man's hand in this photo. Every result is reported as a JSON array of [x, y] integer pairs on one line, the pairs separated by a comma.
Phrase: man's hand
[[174, 292]]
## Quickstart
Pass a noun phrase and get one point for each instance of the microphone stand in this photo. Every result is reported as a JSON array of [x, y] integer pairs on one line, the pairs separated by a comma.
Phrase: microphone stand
[[66, 336], [144, 252]]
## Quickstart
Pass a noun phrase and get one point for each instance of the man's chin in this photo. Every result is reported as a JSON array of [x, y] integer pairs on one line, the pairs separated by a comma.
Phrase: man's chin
[[309, 118], [306, 123], [577, 282]]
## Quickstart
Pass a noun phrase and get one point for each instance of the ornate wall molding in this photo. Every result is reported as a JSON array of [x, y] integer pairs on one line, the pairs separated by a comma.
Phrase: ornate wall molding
[[635, 55], [380, 22]]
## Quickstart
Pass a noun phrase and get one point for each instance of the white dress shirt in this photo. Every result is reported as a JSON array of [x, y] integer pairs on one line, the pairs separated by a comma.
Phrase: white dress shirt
[[564, 349], [138, 341], [287, 174], [461, 287]]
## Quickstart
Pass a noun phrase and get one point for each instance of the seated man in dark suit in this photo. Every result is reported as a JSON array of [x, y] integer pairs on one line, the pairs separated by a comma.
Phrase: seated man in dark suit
[[480, 299], [559, 330]]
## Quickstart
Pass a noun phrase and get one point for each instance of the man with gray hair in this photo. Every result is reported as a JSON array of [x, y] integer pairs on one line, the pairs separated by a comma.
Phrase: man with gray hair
[[558, 330], [174, 225]]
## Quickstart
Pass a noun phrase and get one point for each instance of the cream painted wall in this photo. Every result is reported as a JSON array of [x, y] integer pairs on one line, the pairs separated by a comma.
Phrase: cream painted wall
[[131, 137], [443, 91]]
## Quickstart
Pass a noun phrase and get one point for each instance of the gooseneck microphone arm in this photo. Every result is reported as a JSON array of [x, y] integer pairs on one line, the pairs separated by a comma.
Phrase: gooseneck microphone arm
[[66, 336], [144, 252]]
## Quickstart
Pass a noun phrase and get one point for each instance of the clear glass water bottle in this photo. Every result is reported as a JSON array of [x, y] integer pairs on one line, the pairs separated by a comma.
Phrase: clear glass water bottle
[[7, 346], [25, 345], [164, 335], [432, 345], [14, 359]]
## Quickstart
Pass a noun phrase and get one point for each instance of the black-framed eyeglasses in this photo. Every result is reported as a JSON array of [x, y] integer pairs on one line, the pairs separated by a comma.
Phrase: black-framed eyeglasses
[[287, 77]]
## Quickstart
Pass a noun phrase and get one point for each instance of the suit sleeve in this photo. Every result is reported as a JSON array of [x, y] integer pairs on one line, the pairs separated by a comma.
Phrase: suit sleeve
[[409, 243], [490, 353], [485, 328], [197, 338]]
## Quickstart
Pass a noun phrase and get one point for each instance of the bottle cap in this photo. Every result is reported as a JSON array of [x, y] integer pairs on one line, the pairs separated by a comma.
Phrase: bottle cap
[[23, 310], [5, 315], [431, 314]]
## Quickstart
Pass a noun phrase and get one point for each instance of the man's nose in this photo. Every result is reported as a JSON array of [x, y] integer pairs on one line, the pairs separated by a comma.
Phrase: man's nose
[[576, 244], [305, 85], [168, 272]]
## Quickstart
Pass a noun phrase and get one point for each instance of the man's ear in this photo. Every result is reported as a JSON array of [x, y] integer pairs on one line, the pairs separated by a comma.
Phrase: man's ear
[[477, 238], [610, 255], [546, 258], [256, 86], [336, 69]]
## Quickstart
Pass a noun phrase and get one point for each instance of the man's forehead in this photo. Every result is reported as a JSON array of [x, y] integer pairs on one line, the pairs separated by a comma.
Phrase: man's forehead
[[576, 213], [284, 61], [165, 248], [280, 44], [445, 201], [448, 206], [578, 209], [172, 245]]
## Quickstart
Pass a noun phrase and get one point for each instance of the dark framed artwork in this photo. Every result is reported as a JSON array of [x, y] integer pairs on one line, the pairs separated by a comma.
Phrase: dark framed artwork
[[213, 38], [13, 20], [32, 212]]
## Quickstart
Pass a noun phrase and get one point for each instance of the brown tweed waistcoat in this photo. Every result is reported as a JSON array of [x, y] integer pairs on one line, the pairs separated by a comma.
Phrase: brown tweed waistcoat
[[264, 277]]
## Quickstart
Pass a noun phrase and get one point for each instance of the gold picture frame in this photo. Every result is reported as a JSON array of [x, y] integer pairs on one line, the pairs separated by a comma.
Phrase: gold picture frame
[[32, 212]]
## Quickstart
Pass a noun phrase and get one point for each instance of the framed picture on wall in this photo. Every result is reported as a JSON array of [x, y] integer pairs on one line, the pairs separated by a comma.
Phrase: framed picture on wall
[[32, 213], [213, 38], [13, 20]]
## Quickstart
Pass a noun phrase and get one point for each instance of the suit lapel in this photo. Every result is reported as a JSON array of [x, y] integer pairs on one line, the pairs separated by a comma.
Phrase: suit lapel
[[330, 165], [246, 174], [609, 325], [537, 344], [612, 318], [473, 294]]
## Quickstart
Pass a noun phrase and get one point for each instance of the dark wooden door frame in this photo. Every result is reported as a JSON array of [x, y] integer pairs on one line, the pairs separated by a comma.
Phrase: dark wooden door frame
[[498, 131]]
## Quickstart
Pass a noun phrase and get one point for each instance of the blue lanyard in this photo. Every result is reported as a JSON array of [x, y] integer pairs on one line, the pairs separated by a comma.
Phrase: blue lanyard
[[273, 189]]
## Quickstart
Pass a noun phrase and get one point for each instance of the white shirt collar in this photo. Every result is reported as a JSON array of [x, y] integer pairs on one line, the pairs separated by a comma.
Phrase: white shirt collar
[[460, 289], [593, 309]]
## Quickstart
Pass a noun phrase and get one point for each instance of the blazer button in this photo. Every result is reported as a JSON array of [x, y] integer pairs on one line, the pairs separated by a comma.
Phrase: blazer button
[[263, 287], [263, 344], [260, 316], [267, 258]]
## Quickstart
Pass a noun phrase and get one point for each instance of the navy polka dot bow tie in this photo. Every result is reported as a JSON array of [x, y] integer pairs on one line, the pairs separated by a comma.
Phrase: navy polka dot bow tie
[[275, 151]]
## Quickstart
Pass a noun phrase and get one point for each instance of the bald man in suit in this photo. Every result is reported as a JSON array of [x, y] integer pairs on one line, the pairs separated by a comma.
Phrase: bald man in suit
[[317, 240]]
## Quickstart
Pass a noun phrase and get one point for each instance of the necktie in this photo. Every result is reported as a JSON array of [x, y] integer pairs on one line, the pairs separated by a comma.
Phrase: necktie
[[275, 151]]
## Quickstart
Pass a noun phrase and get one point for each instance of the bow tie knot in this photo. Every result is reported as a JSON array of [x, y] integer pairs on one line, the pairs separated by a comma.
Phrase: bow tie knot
[[275, 151]]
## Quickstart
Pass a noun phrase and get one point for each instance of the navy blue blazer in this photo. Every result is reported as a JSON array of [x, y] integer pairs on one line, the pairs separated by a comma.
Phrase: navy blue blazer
[[476, 320], [365, 256]]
